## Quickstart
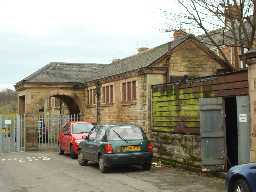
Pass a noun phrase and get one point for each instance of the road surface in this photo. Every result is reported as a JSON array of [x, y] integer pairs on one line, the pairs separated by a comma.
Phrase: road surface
[[50, 172]]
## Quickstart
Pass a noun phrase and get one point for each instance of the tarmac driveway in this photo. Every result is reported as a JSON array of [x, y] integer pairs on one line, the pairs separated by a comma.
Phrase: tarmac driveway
[[49, 172]]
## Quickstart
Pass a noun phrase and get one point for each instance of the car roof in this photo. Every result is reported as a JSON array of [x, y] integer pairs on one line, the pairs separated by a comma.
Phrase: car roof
[[115, 125], [82, 122]]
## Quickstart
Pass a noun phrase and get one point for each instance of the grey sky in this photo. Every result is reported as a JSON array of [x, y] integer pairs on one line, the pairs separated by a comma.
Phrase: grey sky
[[36, 32]]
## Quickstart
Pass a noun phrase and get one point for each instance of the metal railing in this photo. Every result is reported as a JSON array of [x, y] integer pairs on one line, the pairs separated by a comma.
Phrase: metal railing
[[42, 130], [49, 127]]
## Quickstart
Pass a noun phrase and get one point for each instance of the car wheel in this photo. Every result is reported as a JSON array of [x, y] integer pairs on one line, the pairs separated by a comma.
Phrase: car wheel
[[240, 186], [102, 165], [146, 166], [60, 151], [72, 152], [80, 159]]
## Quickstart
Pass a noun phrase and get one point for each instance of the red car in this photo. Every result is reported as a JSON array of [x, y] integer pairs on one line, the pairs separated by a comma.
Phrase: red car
[[71, 135]]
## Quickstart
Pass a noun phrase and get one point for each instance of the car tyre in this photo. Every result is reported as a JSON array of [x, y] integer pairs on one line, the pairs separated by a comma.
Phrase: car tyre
[[240, 186], [102, 166], [81, 160], [72, 152], [146, 166], [60, 151]]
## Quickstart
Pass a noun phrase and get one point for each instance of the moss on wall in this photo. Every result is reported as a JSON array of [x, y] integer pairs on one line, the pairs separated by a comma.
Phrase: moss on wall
[[175, 115]]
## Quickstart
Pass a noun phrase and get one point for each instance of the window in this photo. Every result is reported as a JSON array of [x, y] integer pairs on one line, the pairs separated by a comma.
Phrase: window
[[91, 96], [125, 132], [129, 91], [134, 90], [93, 134], [100, 134], [53, 104], [50, 102], [81, 128], [66, 128], [104, 94], [108, 94]]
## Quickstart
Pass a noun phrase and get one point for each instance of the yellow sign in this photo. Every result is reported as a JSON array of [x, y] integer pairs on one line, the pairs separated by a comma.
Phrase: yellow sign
[[131, 148], [5, 131]]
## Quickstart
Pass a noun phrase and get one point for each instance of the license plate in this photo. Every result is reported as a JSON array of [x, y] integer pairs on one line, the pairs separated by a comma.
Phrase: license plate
[[131, 148]]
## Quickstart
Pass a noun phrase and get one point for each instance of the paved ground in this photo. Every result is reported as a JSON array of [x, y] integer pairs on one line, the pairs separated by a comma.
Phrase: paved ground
[[49, 172]]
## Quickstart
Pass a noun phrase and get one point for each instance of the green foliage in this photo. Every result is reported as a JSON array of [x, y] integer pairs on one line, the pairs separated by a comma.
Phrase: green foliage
[[8, 101]]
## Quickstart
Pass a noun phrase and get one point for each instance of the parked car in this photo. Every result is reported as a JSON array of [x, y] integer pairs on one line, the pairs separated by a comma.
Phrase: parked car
[[241, 178], [114, 145], [71, 135]]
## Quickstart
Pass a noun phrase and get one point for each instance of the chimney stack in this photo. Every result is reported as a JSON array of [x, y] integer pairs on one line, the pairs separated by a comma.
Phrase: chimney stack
[[178, 34], [232, 12], [115, 60]]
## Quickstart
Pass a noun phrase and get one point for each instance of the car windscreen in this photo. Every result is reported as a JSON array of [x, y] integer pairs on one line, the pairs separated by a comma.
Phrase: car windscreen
[[81, 128], [125, 133]]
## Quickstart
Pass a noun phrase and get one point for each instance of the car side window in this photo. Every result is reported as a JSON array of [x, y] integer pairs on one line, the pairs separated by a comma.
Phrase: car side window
[[100, 134], [93, 134], [65, 128]]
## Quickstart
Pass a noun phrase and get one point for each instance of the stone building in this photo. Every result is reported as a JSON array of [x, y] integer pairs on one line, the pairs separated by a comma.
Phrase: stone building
[[120, 91], [250, 58]]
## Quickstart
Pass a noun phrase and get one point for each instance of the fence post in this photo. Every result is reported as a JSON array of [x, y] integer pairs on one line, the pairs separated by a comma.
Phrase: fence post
[[18, 133]]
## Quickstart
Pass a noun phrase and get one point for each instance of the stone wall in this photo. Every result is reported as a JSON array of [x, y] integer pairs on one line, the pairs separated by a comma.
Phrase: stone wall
[[177, 148], [190, 59], [252, 92], [134, 112]]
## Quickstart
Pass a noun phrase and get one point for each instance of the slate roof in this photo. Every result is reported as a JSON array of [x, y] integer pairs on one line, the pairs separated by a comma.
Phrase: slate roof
[[222, 36], [57, 72]]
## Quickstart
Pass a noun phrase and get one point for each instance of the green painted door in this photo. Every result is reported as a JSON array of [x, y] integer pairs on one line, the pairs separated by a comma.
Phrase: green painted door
[[212, 131]]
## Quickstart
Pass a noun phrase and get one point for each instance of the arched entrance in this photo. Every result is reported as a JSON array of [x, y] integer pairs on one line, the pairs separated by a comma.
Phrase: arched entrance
[[62, 104], [56, 110]]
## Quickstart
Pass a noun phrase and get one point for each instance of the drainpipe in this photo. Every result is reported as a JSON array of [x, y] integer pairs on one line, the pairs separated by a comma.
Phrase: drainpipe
[[98, 96]]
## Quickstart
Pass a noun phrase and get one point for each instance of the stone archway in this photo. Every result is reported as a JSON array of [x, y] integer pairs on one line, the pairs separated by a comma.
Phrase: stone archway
[[72, 100], [63, 104], [32, 105]]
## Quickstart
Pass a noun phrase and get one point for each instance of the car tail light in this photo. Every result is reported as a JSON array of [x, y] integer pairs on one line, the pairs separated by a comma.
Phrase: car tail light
[[108, 148], [150, 147]]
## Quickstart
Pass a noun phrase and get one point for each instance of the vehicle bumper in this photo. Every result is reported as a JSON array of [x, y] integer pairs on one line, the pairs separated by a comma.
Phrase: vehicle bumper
[[127, 158], [75, 148]]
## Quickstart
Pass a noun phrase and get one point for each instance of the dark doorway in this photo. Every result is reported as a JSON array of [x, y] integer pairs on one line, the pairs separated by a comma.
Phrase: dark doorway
[[231, 131], [21, 104]]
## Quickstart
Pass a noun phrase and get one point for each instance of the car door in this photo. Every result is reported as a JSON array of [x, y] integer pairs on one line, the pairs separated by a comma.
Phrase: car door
[[66, 137], [61, 137], [100, 132], [90, 145]]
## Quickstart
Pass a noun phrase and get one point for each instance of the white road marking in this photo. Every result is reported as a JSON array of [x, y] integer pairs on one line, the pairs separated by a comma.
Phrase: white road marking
[[27, 159]]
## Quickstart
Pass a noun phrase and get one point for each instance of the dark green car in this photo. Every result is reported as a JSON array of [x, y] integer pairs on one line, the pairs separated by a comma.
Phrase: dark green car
[[115, 145]]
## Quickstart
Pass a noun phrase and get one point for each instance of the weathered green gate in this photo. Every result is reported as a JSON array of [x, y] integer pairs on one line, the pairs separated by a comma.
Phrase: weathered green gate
[[11, 133]]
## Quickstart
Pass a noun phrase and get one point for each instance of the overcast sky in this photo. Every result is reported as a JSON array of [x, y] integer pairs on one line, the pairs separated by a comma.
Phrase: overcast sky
[[36, 32]]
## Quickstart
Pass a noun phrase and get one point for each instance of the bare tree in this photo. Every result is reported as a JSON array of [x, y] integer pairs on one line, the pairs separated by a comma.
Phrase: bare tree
[[221, 22]]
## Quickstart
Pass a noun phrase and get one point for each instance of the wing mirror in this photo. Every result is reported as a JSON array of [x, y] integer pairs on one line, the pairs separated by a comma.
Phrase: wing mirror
[[67, 133], [86, 137]]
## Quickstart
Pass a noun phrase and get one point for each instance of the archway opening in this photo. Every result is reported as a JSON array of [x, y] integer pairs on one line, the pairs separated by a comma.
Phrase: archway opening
[[61, 104], [57, 110]]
